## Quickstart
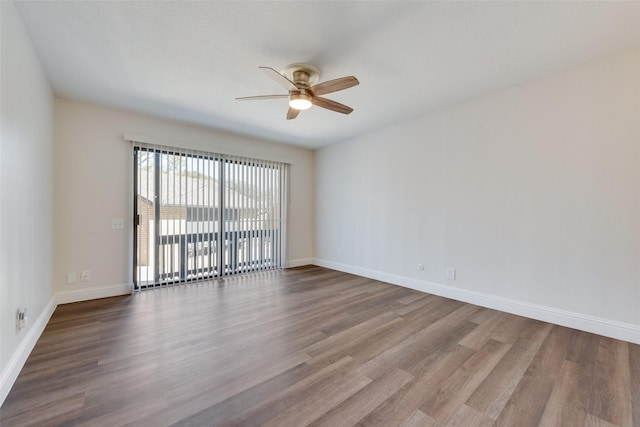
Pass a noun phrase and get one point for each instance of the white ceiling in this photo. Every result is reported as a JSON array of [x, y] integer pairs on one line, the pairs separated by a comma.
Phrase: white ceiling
[[189, 60]]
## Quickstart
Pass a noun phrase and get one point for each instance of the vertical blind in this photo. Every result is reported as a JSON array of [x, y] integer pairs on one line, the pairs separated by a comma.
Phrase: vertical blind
[[201, 215]]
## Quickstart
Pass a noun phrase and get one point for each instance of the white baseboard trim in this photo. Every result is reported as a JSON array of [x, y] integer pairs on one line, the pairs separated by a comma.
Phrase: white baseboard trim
[[17, 361], [609, 328], [86, 294], [299, 262], [19, 357]]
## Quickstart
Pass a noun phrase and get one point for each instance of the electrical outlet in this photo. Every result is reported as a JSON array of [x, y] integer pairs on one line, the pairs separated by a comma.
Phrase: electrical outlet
[[24, 321], [72, 278], [451, 273], [21, 319], [420, 267], [85, 276], [117, 224]]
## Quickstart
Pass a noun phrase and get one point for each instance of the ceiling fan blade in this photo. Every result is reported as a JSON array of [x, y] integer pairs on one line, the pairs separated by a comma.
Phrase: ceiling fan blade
[[279, 78], [292, 113], [251, 98], [331, 105], [334, 85]]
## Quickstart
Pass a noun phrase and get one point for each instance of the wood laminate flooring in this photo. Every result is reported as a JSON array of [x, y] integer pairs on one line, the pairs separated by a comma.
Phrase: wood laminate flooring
[[312, 346]]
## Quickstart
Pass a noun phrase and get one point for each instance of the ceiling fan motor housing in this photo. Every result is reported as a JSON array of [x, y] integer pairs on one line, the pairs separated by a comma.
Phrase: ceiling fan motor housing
[[303, 75], [301, 79]]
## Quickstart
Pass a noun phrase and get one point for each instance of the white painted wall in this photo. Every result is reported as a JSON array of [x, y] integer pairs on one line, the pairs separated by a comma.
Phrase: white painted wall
[[26, 191], [532, 194], [93, 186]]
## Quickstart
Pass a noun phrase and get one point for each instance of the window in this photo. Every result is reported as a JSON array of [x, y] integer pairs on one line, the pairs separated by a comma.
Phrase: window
[[202, 215]]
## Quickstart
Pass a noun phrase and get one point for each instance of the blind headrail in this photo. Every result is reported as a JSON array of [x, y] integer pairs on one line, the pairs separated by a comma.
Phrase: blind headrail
[[148, 142]]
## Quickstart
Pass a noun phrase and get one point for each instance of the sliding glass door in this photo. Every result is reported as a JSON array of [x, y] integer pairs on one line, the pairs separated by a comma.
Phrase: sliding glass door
[[201, 215]]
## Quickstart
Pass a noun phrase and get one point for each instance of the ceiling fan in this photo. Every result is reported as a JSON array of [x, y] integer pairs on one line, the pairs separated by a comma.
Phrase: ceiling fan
[[300, 80]]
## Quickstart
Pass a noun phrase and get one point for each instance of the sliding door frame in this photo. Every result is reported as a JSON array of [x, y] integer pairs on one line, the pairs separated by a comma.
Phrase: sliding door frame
[[243, 189]]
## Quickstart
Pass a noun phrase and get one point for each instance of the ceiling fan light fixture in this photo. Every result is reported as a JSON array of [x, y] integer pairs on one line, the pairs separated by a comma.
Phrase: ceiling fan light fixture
[[300, 101]]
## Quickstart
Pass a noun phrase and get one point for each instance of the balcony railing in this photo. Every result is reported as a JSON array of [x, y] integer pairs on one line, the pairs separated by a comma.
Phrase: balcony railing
[[184, 257]]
